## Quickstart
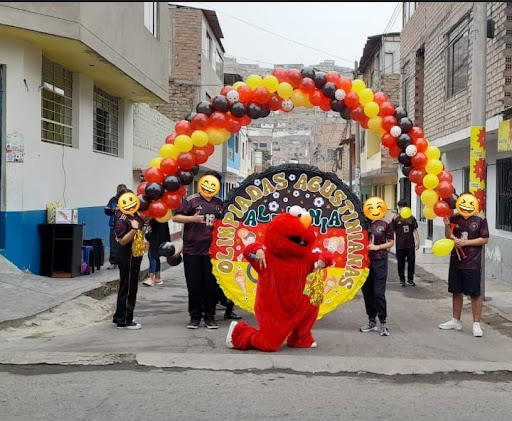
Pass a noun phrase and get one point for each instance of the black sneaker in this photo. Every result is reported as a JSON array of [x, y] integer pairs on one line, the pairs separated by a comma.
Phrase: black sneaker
[[411, 282], [129, 326], [232, 316], [194, 323], [210, 324], [402, 283]]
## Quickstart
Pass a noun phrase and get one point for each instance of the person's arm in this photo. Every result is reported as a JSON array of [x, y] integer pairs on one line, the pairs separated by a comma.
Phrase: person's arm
[[416, 239], [110, 209], [127, 237], [480, 241], [447, 228], [390, 239], [188, 219]]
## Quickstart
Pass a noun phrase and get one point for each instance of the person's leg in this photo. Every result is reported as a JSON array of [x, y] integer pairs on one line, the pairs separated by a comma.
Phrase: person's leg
[[122, 293], [210, 290], [152, 269], [369, 301], [114, 245], [133, 287], [379, 287], [193, 274], [476, 308], [457, 301], [158, 280], [411, 261], [400, 262]]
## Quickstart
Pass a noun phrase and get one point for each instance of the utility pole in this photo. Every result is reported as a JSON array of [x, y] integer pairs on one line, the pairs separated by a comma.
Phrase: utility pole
[[477, 182], [357, 147]]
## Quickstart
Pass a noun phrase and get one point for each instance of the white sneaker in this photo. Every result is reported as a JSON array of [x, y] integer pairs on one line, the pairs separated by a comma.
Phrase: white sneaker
[[452, 324], [229, 340], [477, 330], [313, 345]]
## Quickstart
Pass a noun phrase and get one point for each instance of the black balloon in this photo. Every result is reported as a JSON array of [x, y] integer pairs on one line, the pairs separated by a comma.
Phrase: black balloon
[[329, 89], [189, 116], [452, 200], [186, 177], [336, 105], [345, 112], [320, 80], [174, 261], [404, 159], [220, 103], [194, 170], [400, 113], [264, 111], [172, 183], [403, 141], [308, 72], [238, 109], [406, 170], [204, 107], [405, 124], [166, 249], [144, 202], [254, 111], [154, 191]]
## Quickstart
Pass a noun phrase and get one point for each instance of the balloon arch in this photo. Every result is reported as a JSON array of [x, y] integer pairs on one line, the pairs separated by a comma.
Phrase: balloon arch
[[236, 106]]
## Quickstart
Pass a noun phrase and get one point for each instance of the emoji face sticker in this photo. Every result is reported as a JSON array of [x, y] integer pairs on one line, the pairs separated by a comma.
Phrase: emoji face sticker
[[375, 208], [466, 205], [208, 186], [128, 203]]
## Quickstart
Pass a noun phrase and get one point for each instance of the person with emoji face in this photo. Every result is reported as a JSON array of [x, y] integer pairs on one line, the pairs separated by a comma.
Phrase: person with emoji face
[[374, 288], [198, 213], [470, 233]]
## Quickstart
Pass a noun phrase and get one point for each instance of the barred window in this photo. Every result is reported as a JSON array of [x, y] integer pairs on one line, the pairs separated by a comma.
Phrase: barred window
[[106, 123], [504, 194], [56, 103], [458, 59]]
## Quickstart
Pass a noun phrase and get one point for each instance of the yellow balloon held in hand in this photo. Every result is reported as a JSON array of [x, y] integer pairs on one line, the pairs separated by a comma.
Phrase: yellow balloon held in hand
[[443, 247], [405, 212]]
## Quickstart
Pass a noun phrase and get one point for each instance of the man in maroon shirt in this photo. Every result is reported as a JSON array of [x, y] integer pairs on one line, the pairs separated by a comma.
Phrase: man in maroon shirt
[[469, 232], [197, 213]]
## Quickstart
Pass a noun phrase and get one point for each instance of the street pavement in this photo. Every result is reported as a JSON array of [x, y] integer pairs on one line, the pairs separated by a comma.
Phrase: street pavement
[[68, 321]]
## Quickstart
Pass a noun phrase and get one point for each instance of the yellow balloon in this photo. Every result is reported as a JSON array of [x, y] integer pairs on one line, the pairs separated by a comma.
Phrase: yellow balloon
[[183, 143], [271, 83], [434, 166], [217, 136], [430, 181], [375, 124], [284, 90], [365, 96], [155, 162], [236, 85], [371, 109], [199, 138], [166, 217], [405, 212], [433, 152], [307, 102], [429, 198], [443, 247], [298, 98], [254, 81], [169, 151], [358, 85], [429, 213]]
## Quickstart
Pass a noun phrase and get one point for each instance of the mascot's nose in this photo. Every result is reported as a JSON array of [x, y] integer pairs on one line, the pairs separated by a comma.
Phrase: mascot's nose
[[305, 219]]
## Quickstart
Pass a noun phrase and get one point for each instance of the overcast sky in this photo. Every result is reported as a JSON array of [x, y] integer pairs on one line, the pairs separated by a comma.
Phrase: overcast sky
[[268, 33]]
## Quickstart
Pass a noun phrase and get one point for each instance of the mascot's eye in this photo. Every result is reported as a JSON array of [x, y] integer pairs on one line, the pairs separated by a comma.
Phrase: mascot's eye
[[296, 210]]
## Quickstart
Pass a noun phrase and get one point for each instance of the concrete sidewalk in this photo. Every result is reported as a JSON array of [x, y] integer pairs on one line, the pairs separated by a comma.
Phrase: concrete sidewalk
[[25, 295]]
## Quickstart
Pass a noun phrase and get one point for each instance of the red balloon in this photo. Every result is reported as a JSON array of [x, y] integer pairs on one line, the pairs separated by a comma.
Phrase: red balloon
[[245, 120], [419, 160], [388, 141], [209, 149], [170, 139], [418, 189], [245, 93], [445, 189], [394, 151], [416, 175], [200, 121], [169, 166], [141, 188], [416, 132], [274, 103], [219, 120], [183, 127], [182, 191], [364, 125], [386, 108], [234, 126], [224, 91], [307, 86], [351, 100], [332, 76], [357, 114], [344, 83], [388, 122], [445, 176], [154, 175], [157, 209], [261, 95], [294, 77], [201, 156], [380, 97], [281, 74], [420, 143], [186, 160], [325, 104], [317, 98], [442, 209], [172, 200]]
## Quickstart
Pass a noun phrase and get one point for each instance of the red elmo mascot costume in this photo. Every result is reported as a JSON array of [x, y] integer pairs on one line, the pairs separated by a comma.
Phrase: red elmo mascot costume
[[282, 310]]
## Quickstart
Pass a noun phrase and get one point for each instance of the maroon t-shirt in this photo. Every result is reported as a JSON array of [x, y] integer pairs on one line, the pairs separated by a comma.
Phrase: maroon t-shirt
[[123, 225], [198, 237], [468, 229], [381, 232], [404, 229]]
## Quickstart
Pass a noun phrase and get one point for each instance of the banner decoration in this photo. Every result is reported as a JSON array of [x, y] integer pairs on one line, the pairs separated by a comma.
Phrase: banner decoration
[[338, 220]]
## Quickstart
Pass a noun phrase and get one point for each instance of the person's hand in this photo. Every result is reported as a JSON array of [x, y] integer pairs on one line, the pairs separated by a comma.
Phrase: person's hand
[[459, 242], [260, 258], [197, 218], [417, 246], [320, 264], [373, 247], [135, 224]]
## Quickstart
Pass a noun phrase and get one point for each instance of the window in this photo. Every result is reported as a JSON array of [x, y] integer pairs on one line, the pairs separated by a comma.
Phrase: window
[[56, 103], [237, 141], [243, 150], [458, 55], [504, 194], [209, 48], [106, 123], [408, 9], [389, 65], [219, 65], [151, 17]]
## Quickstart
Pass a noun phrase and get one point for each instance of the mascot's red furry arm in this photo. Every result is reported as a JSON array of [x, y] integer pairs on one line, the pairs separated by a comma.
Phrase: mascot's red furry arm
[[282, 310]]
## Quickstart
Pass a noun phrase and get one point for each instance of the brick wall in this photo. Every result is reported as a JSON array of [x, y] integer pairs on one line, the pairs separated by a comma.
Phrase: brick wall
[[150, 128]]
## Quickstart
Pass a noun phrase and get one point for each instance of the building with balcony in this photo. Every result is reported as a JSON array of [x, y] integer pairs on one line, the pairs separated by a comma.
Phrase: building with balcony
[[70, 76]]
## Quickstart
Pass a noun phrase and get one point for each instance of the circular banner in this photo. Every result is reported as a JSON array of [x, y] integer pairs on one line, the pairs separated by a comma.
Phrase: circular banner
[[338, 220]]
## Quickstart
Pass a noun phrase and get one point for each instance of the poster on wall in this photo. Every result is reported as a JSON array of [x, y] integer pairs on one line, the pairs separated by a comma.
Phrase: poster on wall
[[14, 148], [338, 221]]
